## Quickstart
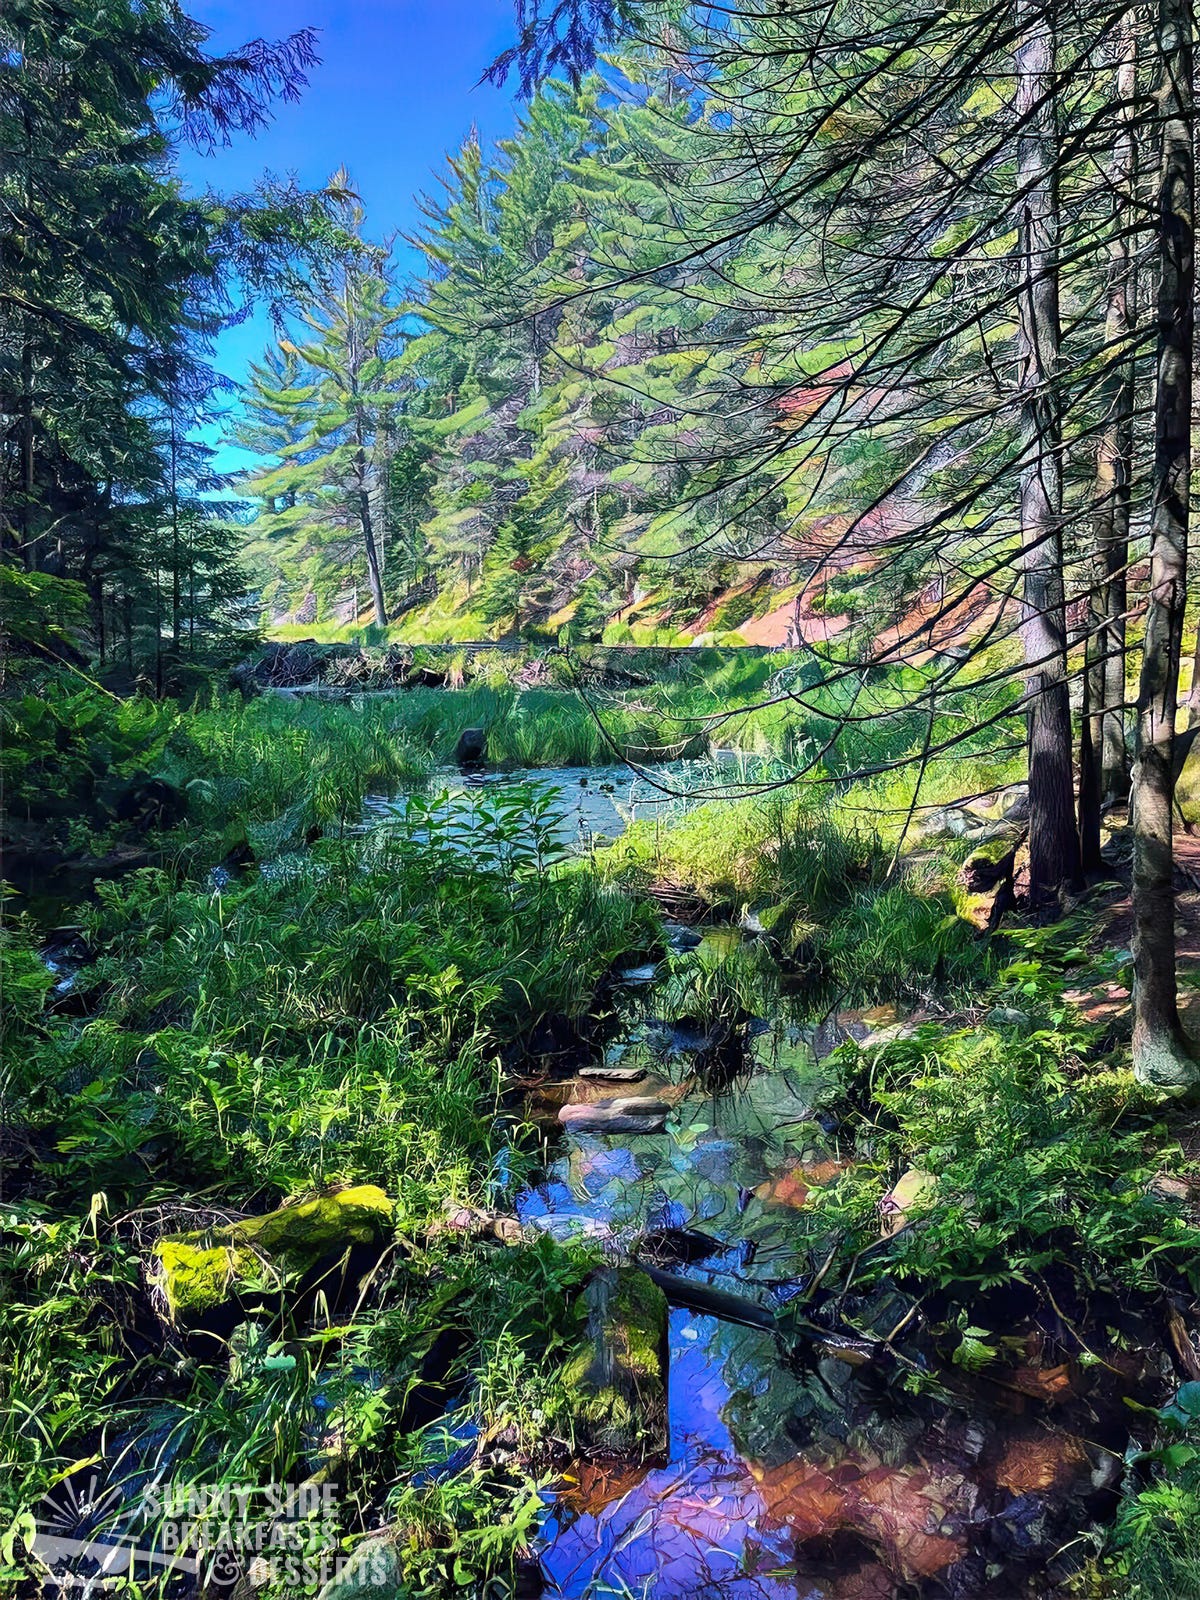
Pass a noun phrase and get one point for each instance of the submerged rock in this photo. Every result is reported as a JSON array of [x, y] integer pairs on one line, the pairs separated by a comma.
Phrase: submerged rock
[[915, 1519], [199, 1271], [629, 1115], [616, 1381]]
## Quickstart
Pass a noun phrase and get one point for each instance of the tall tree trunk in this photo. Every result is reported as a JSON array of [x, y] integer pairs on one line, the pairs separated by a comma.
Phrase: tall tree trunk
[[158, 628], [1053, 840], [176, 598], [1160, 1051], [354, 359], [28, 540], [374, 576], [1103, 758], [26, 431]]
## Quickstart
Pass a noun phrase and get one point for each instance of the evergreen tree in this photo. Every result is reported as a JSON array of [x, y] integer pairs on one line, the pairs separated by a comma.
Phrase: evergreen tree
[[113, 282], [326, 409]]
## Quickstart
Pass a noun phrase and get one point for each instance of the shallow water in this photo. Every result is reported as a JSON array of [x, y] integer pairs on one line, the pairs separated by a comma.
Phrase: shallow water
[[727, 1167], [592, 805], [797, 1465], [695, 1526]]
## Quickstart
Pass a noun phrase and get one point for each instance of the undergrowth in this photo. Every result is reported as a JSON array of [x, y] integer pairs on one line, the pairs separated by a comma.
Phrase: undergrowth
[[340, 1010], [339, 1017], [832, 897]]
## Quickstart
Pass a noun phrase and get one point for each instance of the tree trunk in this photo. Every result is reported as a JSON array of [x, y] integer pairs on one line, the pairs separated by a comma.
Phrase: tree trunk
[[1160, 1051], [361, 459], [28, 542], [96, 595], [1103, 758], [158, 628], [1053, 840], [374, 576], [29, 551], [176, 598]]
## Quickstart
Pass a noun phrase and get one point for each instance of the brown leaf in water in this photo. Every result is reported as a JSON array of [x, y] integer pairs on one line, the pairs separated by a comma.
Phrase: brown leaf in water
[[592, 1485], [803, 1496], [910, 1510], [792, 1188], [908, 1514], [1035, 1460], [1042, 1383], [789, 1189]]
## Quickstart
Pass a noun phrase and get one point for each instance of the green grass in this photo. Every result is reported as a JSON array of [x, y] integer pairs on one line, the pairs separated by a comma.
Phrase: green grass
[[822, 881]]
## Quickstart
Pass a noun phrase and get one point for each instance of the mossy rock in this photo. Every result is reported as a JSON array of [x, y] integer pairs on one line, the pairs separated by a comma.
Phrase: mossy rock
[[792, 932], [994, 849], [201, 1270], [616, 1381], [990, 863]]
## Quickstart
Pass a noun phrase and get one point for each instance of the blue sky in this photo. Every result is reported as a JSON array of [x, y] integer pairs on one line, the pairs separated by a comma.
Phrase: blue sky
[[395, 91]]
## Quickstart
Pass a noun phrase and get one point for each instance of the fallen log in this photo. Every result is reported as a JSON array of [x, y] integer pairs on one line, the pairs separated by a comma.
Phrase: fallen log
[[695, 1295]]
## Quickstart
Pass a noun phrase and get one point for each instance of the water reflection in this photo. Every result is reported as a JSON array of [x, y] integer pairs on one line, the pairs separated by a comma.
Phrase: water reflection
[[695, 1526]]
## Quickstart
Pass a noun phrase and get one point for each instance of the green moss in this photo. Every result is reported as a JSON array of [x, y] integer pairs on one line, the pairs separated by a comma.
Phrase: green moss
[[200, 1270], [615, 1382], [640, 1311], [991, 852]]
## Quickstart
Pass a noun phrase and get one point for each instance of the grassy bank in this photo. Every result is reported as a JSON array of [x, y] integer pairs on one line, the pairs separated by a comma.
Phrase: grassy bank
[[337, 1018]]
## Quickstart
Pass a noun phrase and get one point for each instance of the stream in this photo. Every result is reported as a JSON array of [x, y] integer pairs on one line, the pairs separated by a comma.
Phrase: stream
[[795, 1465], [590, 806], [798, 1461]]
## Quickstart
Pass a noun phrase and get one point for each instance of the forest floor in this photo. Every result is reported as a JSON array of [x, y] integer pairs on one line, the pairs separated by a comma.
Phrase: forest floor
[[1111, 909]]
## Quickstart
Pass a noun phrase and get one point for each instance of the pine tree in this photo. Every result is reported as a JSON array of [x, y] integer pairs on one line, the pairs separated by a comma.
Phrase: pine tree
[[325, 407], [113, 281]]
